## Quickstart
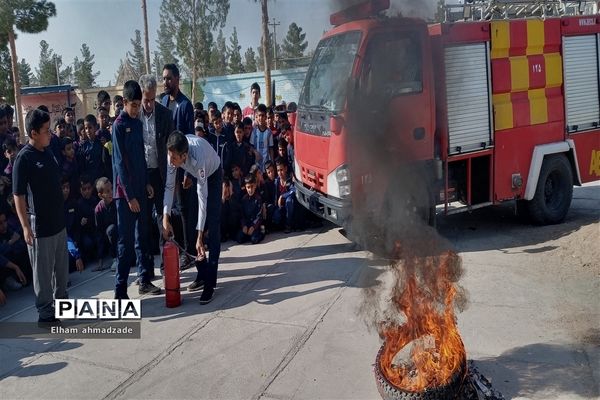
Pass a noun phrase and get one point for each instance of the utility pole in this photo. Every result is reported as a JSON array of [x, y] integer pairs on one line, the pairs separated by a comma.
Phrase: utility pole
[[146, 47], [274, 24]]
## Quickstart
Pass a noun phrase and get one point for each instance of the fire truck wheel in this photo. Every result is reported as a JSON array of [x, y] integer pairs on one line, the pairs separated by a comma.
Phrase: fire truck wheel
[[553, 193]]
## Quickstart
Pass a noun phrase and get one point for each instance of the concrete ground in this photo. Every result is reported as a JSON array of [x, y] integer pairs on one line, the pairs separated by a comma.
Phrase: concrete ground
[[286, 322]]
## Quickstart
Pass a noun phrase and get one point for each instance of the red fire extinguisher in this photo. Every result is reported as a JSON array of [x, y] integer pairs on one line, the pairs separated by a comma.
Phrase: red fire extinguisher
[[171, 274]]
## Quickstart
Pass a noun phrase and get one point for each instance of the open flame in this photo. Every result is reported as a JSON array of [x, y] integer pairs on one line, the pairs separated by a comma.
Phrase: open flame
[[426, 351]]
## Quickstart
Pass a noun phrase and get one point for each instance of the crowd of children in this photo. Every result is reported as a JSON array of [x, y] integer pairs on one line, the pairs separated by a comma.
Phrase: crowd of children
[[256, 151]]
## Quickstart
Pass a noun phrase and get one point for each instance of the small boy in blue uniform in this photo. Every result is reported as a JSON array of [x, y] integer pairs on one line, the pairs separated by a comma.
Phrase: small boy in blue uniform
[[93, 157], [253, 210], [86, 236], [285, 198], [106, 222], [131, 190]]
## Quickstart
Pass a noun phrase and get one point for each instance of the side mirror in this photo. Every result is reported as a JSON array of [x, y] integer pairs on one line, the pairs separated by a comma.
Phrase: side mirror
[[336, 122]]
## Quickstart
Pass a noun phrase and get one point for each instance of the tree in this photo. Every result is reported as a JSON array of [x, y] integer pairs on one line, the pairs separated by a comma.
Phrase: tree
[[250, 60], [25, 73], [218, 56], [51, 65], [165, 47], [83, 73], [157, 64], [6, 77], [235, 57], [137, 56], [126, 71], [190, 22], [261, 59], [29, 16], [294, 46]]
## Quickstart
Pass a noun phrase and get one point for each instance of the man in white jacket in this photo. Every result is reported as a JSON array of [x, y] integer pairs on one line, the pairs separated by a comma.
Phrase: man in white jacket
[[198, 159]]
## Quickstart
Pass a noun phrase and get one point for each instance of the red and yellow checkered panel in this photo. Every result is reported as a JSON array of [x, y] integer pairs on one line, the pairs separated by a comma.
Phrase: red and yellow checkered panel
[[526, 72]]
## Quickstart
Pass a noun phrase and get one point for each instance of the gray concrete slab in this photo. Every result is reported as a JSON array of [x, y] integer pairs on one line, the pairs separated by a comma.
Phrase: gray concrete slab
[[54, 377], [232, 367]]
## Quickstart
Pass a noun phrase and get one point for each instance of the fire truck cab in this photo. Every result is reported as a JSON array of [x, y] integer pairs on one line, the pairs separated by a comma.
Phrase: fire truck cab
[[490, 111]]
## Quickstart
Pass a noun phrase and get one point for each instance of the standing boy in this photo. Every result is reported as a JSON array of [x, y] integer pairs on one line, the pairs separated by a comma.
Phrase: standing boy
[[36, 175], [254, 96], [130, 188], [262, 137]]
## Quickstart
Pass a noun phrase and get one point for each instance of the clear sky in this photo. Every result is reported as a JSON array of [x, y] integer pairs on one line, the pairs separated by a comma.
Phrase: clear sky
[[106, 26]]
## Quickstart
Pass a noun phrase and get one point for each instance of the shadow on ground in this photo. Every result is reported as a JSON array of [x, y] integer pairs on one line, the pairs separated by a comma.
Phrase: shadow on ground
[[499, 227], [541, 371]]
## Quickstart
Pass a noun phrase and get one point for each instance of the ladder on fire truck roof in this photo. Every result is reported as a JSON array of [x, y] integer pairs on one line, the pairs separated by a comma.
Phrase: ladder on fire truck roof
[[474, 10]]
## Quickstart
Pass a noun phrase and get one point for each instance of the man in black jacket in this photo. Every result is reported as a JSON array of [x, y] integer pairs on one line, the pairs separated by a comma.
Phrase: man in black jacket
[[158, 125]]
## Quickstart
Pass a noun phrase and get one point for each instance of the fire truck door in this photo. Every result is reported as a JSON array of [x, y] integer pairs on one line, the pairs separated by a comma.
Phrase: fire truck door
[[397, 95]]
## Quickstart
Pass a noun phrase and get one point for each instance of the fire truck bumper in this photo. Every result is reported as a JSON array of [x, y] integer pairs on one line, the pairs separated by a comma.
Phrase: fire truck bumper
[[331, 208]]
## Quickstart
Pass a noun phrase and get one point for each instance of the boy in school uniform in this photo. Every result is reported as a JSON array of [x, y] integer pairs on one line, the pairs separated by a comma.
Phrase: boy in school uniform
[[253, 209], [85, 235], [285, 198], [131, 191], [105, 215]]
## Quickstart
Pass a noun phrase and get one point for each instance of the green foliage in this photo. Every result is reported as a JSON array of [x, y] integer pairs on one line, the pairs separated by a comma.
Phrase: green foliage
[[165, 44], [235, 57], [25, 74], [29, 16], [49, 63], [83, 70], [218, 56], [190, 23], [294, 46], [250, 60], [6, 80], [136, 57], [260, 60], [157, 64]]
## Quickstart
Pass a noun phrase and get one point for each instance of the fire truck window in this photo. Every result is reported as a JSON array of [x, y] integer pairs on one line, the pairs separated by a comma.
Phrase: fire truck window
[[393, 66], [332, 63]]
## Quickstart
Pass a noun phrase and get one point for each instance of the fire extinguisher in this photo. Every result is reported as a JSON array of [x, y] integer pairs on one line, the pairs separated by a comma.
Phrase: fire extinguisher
[[171, 274]]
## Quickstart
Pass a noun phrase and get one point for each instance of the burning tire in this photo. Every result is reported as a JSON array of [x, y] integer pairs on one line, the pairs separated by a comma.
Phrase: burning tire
[[553, 193], [390, 392]]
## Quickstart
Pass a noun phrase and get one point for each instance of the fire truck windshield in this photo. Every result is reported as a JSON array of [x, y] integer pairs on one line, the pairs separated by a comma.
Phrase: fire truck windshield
[[325, 84]]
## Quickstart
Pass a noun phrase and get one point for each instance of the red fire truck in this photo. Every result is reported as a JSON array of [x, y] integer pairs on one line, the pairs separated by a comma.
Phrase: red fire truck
[[490, 111]]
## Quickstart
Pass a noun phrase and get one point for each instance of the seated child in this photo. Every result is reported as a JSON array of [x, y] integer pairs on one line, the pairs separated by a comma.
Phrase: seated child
[[252, 214], [10, 152], [85, 224], [229, 222], [75, 261], [15, 268], [70, 168], [106, 223], [269, 193], [285, 198]]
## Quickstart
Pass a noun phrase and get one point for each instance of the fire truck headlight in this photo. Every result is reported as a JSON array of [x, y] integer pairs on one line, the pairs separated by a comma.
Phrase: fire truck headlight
[[338, 182], [344, 190], [342, 174]]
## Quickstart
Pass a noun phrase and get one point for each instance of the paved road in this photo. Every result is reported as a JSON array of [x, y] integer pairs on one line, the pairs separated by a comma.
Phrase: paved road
[[286, 322]]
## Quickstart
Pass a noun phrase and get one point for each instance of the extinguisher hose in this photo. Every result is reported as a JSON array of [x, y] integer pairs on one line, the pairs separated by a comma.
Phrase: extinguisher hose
[[181, 249]]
